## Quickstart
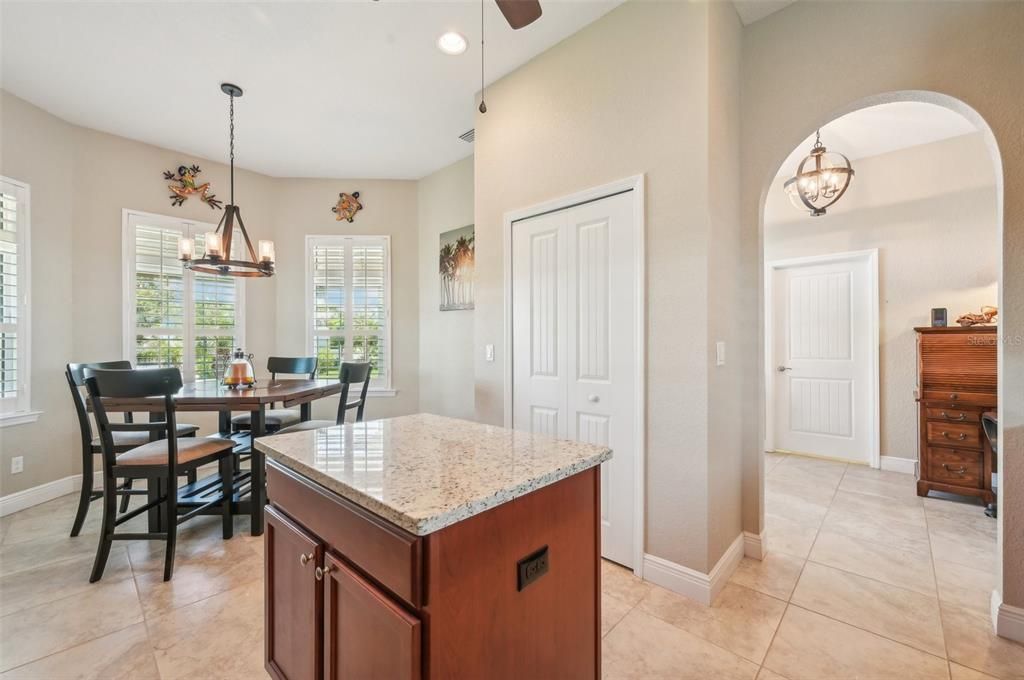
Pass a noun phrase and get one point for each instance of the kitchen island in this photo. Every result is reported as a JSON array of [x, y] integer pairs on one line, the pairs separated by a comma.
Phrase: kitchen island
[[429, 547]]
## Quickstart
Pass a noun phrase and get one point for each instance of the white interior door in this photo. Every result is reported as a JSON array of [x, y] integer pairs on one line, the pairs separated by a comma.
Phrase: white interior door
[[825, 346], [574, 343]]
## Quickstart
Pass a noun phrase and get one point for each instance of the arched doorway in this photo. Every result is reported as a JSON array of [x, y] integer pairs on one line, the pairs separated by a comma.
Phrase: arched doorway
[[789, 540]]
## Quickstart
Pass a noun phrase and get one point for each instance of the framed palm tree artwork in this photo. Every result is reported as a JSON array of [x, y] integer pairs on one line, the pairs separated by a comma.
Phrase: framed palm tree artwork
[[456, 266]]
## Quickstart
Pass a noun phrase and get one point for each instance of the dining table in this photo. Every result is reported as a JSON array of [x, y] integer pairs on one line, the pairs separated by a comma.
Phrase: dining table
[[249, 487]]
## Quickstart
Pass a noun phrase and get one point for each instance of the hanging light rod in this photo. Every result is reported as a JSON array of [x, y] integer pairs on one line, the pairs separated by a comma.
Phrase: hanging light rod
[[217, 257]]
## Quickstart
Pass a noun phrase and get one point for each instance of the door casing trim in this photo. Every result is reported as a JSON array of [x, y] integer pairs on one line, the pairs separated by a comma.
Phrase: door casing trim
[[871, 257], [636, 185]]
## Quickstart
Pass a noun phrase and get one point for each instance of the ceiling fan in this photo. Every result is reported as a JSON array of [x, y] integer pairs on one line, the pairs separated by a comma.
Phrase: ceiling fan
[[519, 13]]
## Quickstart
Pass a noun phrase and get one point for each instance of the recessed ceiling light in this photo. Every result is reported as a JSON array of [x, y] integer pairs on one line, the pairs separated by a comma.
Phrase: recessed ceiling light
[[452, 43]]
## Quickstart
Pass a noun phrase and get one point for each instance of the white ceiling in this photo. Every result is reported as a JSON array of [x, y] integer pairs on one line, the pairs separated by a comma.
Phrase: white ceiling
[[755, 10], [881, 129], [343, 89]]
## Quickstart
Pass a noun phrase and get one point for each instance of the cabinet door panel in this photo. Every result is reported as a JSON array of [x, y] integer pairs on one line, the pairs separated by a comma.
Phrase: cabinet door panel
[[367, 636], [293, 600]]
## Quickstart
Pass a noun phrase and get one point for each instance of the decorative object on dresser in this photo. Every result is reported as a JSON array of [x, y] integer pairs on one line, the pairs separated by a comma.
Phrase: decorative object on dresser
[[988, 315], [956, 383], [940, 316]]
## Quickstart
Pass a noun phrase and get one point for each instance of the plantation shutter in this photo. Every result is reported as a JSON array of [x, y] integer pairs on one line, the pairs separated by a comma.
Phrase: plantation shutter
[[13, 298], [349, 306], [181, 319]]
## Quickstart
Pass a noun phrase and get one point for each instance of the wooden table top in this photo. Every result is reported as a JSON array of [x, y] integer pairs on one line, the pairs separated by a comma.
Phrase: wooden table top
[[210, 395]]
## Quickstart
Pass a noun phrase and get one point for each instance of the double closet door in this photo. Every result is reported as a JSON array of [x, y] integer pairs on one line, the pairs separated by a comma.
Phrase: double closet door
[[574, 337]]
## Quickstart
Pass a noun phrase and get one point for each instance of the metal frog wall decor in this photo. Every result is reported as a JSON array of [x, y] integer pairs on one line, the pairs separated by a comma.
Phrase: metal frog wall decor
[[186, 186], [347, 207]]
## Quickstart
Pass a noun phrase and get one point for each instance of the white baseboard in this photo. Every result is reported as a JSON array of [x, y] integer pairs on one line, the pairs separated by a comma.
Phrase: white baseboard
[[1007, 620], [21, 500], [694, 584], [755, 546], [894, 464]]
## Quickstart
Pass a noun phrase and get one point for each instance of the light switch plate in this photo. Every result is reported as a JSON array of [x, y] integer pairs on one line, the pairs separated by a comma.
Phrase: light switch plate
[[17, 465], [489, 352], [720, 353]]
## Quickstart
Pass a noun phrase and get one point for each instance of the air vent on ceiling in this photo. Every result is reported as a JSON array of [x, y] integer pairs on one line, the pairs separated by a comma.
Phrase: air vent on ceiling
[[468, 136]]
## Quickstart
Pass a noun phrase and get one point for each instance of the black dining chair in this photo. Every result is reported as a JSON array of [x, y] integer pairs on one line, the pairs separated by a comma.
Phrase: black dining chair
[[352, 373], [277, 418], [159, 461], [123, 441]]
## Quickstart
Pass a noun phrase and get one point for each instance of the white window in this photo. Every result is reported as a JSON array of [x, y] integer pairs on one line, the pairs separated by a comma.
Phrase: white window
[[348, 308], [14, 304], [174, 316]]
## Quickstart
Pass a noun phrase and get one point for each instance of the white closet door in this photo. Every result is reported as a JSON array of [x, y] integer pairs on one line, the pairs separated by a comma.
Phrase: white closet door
[[574, 343], [539, 279]]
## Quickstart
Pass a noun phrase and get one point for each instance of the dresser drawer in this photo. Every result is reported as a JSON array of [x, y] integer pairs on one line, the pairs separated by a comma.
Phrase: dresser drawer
[[388, 555], [966, 435], [953, 415], [952, 397], [956, 467]]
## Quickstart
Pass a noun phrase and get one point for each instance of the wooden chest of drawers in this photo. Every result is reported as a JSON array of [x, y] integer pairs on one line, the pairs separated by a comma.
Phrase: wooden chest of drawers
[[956, 382]]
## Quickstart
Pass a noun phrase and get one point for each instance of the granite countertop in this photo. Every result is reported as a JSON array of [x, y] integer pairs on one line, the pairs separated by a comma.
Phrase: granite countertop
[[425, 472]]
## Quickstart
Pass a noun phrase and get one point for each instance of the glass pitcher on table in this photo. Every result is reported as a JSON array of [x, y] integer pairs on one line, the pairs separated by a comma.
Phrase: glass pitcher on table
[[240, 372]]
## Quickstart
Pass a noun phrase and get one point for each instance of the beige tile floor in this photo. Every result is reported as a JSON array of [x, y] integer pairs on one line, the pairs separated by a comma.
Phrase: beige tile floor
[[864, 580]]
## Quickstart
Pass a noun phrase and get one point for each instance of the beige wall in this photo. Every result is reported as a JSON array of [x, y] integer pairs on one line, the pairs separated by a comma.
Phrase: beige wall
[[725, 383], [446, 338], [35, 148], [887, 48], [930, 210], [389, 207], [627, 95]]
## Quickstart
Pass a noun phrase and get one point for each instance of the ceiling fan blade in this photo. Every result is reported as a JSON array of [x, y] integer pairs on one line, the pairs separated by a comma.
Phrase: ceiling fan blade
[[520, 13]]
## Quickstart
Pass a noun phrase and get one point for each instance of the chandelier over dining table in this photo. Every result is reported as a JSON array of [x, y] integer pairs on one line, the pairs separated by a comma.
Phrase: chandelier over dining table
[[218, 243]]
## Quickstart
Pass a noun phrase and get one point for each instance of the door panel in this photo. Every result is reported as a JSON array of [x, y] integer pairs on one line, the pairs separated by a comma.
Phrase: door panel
[[539, 304], [292, 601], [823, 358], [587, 312], [366, 634]]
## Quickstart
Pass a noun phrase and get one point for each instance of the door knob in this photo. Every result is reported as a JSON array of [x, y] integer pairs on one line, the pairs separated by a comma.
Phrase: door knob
[[593, 398], [783, 369], [305, 559], [321, 572]]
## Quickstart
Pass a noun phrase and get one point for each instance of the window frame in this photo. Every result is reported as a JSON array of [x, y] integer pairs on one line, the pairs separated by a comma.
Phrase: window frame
[[130, 329], [378, 387], [18, 410]]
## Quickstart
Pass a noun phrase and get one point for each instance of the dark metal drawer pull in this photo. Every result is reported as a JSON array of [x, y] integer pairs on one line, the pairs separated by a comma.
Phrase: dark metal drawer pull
[[954, 396], [962, 436], [962, 416], [960, 470]]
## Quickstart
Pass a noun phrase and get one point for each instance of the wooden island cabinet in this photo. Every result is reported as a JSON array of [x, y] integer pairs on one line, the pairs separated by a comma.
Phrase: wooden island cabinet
[[427, 547]]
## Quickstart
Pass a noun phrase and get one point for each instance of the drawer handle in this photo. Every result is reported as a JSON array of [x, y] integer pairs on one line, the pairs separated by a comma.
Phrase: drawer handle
[[323, 571], [962, 416], [954, 396], [962, 436], [305, 559], [959, 471]]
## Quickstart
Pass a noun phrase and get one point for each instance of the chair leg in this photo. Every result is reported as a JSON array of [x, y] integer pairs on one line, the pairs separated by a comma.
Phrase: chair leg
[[127, 498], [107, 531], [84, 498], [227, 489], [190, 477], [172, 526]]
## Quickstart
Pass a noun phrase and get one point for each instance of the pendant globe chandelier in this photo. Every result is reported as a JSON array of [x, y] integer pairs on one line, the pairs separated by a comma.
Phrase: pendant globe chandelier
[[217, 257], [821, 179]]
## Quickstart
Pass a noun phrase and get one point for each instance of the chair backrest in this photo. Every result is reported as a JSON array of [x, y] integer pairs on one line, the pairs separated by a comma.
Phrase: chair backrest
[[105, 383], [353, 372], [75, 374], [292, 366]]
